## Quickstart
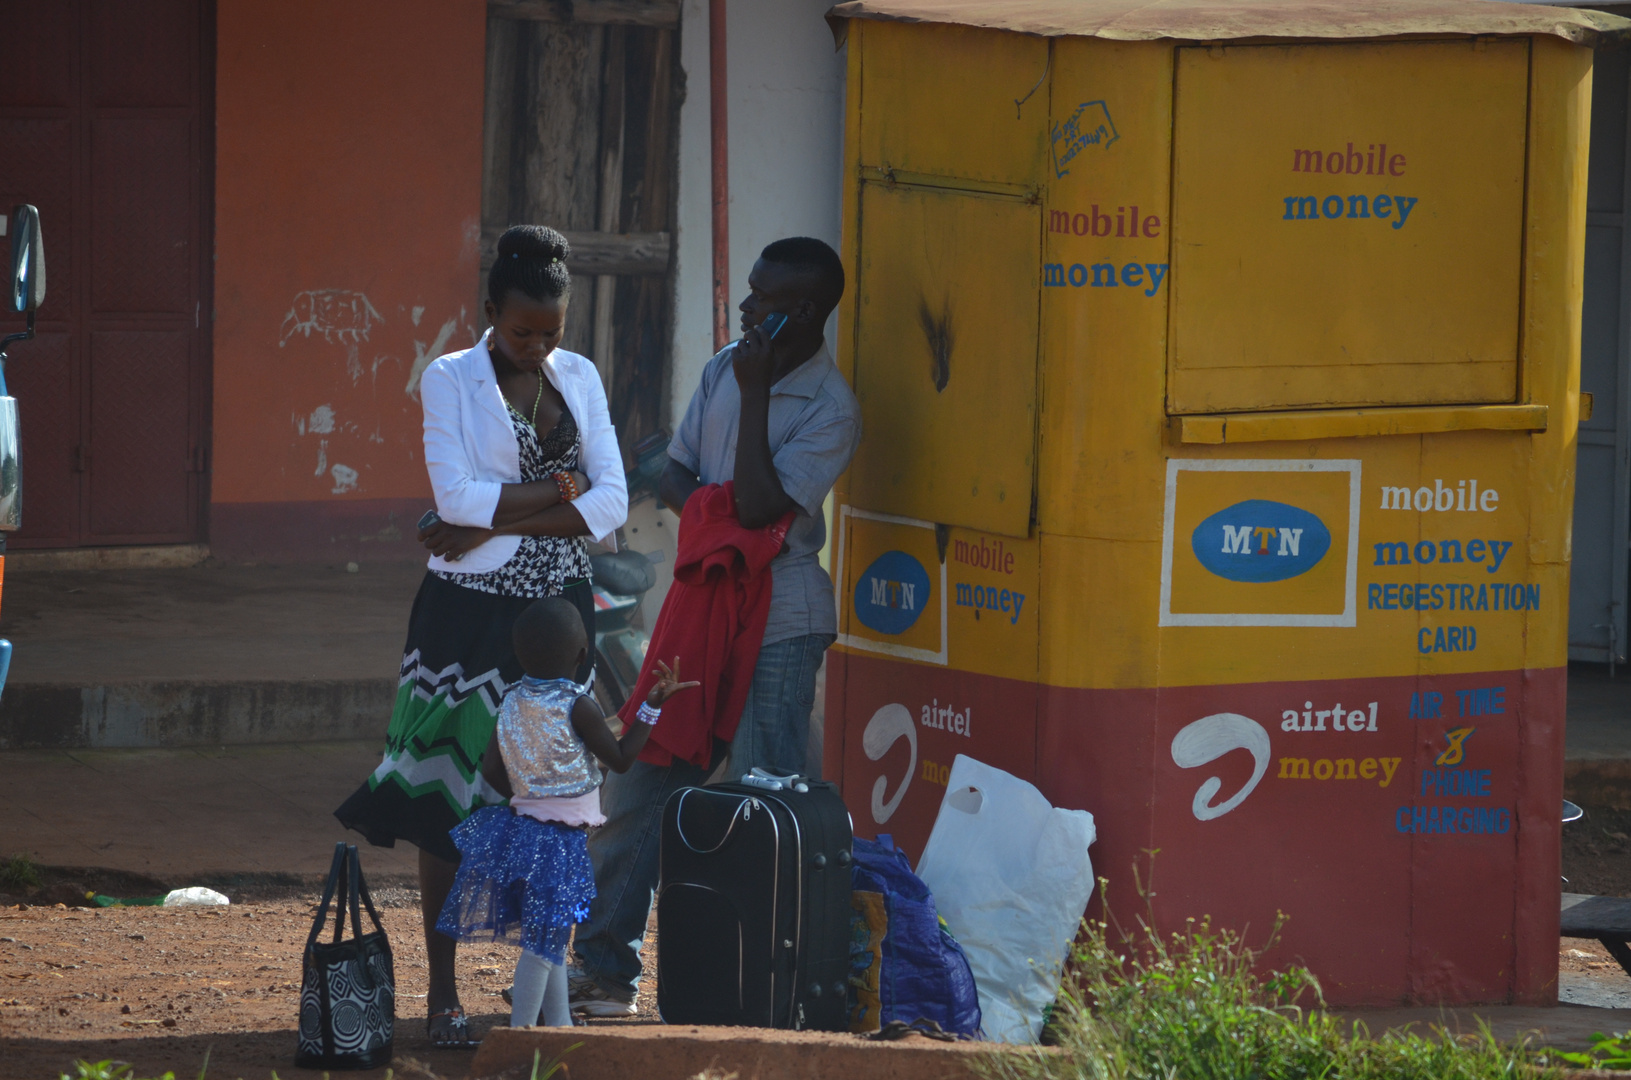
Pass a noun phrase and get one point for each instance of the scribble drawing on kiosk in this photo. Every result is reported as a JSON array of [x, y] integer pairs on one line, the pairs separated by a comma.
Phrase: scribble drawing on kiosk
[[1089, 125], [891, 593], [1258, 540]]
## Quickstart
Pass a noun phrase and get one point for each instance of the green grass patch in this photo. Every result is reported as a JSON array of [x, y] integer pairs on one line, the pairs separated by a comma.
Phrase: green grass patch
[[1607, 1052], [19, 872], [121, 1070], [1197, 1005], [105, 1070]]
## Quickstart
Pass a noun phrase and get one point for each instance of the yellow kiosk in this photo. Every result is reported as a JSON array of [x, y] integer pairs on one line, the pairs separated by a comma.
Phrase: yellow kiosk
[[1219, 372]]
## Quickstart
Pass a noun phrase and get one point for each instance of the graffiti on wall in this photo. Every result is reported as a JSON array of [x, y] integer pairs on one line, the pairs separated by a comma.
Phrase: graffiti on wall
[[1088, 125], [348, 322], [335, 315]]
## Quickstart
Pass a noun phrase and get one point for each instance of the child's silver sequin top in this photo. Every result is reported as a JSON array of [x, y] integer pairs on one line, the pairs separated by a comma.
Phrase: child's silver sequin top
[[542, 754]]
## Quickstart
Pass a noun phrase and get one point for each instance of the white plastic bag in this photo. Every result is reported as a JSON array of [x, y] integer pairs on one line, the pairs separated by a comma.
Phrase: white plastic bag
[[1011, 876], [196, 896]]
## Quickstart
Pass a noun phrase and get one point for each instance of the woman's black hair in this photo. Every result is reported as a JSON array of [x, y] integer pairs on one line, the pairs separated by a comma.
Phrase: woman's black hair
[[531, 261]]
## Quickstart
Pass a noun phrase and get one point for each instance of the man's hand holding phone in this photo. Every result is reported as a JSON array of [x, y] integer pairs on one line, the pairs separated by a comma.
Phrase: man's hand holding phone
[[753, 358]]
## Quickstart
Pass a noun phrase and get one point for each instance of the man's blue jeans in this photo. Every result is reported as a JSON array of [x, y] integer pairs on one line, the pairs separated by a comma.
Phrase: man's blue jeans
[[772, 735]]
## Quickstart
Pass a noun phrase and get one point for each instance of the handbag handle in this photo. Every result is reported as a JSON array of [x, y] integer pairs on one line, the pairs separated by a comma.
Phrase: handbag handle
[[347, 888], [362, 890], [357, 890], [335, 869]]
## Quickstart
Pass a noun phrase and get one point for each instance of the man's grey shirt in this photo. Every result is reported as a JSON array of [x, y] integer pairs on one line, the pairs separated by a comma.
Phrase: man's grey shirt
[[815, 426]]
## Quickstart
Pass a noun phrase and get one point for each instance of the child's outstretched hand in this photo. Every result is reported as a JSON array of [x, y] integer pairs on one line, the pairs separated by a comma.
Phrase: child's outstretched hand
[[667, 685]]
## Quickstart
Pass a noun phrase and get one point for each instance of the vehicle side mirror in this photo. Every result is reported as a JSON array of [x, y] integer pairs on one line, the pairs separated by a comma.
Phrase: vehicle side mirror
[[27, 259]]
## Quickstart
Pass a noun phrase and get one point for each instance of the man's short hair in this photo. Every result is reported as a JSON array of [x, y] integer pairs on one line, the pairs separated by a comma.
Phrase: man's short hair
[[818, 260]]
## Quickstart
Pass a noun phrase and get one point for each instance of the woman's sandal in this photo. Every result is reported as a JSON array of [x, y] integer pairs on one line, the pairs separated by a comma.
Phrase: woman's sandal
[[453, 1033]]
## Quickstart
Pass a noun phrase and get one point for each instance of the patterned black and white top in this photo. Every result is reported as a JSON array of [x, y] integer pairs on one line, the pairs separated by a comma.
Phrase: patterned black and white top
[[542, 565]]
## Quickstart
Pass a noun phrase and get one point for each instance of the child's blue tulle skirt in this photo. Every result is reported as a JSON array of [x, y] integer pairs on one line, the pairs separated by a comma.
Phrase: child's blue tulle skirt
[[521, 881]]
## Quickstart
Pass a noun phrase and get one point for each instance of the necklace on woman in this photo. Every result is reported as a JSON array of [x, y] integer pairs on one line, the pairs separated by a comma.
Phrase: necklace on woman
[[493, 350]]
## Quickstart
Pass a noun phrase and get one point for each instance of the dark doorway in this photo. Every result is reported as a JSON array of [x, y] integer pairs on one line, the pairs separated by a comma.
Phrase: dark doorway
[[106, 125]]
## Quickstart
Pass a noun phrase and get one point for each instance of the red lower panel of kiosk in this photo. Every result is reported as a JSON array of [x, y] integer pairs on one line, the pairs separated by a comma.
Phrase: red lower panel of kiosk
[[1407, 827]]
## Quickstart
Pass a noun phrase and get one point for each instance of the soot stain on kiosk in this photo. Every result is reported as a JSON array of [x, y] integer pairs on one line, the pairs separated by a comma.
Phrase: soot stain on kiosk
[[938, 333]]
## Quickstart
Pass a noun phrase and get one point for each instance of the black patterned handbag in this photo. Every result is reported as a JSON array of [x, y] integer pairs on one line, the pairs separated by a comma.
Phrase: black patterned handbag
[[347, 988]]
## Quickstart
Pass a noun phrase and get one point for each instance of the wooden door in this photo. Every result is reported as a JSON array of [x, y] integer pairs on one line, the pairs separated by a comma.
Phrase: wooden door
[[105, 125], [581, 134]]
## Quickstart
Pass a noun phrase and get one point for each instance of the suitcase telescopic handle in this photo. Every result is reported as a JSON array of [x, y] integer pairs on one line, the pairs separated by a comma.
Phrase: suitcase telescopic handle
[[774, 781]]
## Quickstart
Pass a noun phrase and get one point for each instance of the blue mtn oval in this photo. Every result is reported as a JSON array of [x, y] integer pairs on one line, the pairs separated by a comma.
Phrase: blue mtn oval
[[891, 593], [1260, 541]]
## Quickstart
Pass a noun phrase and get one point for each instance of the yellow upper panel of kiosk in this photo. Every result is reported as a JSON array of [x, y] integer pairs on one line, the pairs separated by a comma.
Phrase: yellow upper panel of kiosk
[[1344, 228]]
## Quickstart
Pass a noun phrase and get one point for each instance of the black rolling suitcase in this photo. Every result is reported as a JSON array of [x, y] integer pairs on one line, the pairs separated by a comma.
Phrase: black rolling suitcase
[[753, 912]]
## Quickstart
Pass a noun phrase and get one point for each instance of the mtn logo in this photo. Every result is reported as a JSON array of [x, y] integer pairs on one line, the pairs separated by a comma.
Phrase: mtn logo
[[891, 593], [1260, 541]]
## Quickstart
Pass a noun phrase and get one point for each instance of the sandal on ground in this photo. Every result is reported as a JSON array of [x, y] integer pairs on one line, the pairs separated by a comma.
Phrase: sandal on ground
[[453, 1031]]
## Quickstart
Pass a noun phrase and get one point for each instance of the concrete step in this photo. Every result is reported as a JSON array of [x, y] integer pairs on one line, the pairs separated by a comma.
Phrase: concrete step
[[202, 655], [188, 713]]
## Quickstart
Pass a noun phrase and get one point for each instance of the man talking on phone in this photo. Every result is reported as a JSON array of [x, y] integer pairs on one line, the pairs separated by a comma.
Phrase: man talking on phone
[[774, 414]]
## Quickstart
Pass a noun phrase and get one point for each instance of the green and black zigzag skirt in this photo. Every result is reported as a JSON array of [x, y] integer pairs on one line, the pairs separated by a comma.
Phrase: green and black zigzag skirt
[[456, 667]]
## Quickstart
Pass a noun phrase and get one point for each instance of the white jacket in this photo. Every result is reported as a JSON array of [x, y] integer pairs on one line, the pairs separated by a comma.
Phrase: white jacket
[[471, 450]]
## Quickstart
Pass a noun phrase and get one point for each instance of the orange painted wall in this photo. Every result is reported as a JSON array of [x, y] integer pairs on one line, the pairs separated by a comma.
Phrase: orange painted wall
[[348, 209]]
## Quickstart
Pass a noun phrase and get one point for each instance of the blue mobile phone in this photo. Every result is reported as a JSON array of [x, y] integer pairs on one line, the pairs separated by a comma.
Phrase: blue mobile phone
[[773, 325]]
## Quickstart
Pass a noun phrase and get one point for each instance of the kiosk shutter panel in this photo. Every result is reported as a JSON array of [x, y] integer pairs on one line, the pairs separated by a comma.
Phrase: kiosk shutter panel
[[945, 356], [1347, 225]]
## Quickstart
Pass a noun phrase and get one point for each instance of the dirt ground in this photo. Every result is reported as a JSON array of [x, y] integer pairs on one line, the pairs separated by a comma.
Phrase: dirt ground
[[160, 987], [1597, 852], [1596, 861]]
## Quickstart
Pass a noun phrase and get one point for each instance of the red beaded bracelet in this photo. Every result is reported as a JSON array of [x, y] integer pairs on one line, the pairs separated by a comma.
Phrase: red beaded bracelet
[[567, 486]]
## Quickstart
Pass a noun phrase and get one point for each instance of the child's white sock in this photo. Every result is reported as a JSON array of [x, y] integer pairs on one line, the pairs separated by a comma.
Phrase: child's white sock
[[557, 1009], [527, 996], [540, 987]]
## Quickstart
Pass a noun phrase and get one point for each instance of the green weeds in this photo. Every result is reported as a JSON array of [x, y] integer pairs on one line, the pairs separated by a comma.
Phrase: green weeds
[[1607, 1052], [552, 1066], [105, 1070], [1193, 1005], [121, 1070], [19, 872]]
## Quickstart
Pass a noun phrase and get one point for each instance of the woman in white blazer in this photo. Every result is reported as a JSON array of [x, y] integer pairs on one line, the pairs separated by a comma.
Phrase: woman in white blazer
[[524, 465]]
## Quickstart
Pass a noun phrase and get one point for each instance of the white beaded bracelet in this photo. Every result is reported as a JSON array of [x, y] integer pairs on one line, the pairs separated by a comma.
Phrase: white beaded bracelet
[[647, 715]]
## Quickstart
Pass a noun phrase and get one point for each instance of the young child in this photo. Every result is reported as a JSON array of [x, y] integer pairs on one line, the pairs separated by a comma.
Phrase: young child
[[524, 876]]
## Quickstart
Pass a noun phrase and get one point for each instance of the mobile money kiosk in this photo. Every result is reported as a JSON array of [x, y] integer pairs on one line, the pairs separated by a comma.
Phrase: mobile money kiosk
[[1219, 372]]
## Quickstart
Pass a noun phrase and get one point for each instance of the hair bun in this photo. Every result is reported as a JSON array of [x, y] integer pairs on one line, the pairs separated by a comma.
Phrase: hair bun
[[531, 260], [533, 242]]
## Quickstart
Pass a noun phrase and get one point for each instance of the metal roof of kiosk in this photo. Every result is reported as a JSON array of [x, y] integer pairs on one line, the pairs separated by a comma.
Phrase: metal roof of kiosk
[[1222, 20]]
